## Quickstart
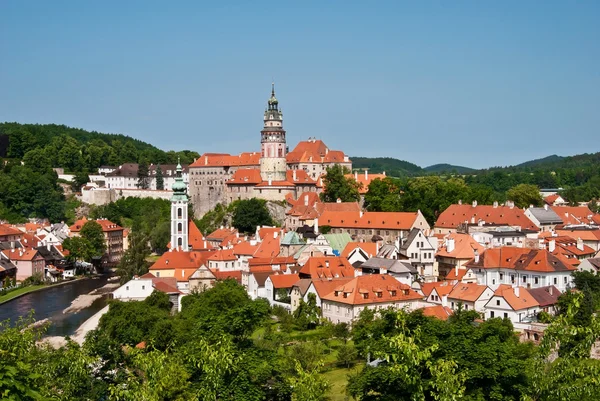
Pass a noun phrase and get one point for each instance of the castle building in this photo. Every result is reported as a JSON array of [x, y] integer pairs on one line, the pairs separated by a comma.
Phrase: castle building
[[271, 174]]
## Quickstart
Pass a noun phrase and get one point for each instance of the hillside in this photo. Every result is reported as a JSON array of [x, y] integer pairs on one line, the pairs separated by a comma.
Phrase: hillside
[[76, 149], [392, 167], [448, 168]]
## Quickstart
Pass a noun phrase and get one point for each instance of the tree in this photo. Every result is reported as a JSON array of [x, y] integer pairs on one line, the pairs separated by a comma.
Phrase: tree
[[93, 233], [143, 177], [338, 186], [160, 182], [133, 262], [524, 195], [251, 213]]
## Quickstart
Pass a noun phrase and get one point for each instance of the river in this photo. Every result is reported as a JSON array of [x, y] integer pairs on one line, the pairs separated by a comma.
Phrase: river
[[50, 303]]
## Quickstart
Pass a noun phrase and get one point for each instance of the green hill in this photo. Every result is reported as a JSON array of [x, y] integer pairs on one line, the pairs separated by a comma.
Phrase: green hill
[[448, 168], [392, 167]]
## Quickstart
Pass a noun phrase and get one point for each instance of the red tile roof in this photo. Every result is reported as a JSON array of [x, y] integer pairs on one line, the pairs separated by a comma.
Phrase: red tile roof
[[370, 248], [455, 215], [372, 220], [327, 266], [284, 280], [372, 289], [509, 257], [470, 292], [437, 311]]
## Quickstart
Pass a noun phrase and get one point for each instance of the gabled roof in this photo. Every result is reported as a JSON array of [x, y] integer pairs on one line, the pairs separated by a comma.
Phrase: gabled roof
[[545, 296], [284, 280], [372, 220], [524, 301], [437, 311], [328, 267], [369, 248], [509, 257], [458, 214], [464, 247], [470, 292], [180, 260], [372, 289]]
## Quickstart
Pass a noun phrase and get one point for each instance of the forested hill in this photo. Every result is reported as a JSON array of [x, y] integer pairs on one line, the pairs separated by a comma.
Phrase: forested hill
[[392, 167], [77, 149], [449, 168]]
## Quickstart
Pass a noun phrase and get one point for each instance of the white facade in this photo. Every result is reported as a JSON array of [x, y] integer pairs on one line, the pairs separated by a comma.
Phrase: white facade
[[493, 277], [136, 289]]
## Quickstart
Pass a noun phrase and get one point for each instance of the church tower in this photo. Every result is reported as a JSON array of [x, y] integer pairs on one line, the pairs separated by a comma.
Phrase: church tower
[[179, 213], [273, 164]]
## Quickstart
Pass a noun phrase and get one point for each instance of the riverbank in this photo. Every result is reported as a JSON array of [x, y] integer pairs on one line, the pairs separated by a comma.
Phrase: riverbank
[[85, 300], [20, 292]]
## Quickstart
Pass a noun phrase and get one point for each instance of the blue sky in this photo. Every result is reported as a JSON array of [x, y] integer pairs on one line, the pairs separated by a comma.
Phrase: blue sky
[[474, 83]]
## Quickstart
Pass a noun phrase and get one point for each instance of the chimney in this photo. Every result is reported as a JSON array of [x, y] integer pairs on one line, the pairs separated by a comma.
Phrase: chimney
[[495, 204], [580, 244], [474, 203], [517, 291], [450, 245], [316, 226], [551, 246], [445, 301]]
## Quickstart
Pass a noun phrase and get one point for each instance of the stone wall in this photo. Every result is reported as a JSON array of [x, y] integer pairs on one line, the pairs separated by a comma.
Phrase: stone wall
[[102, 196]]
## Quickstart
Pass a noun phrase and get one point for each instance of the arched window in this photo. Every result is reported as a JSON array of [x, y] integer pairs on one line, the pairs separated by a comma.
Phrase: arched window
[[179, 212], [179, 227]]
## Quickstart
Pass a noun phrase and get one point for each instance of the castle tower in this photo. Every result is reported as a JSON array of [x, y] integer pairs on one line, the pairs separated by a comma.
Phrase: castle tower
[[179, 213], [273, 164]]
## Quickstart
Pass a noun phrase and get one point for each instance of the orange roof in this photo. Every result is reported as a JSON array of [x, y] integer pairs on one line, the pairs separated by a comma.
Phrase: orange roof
[[470, 292], [372, 289], [327, 266], [224, 275], [8, 230], [427, 288], [180, 260], [244, 248], [106, 225], [364, 179], [284, 280], [16, 254], [269, 246], [370, 248], [221, 233], [464, 247], [184, 273], [574, 214], [225, 160], [455, 215], [510, 257], [222, 255], [524, 301], [246, 176], [377, 220], [437, 311]]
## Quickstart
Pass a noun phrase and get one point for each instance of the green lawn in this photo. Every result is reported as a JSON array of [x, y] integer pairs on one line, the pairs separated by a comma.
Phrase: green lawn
[[19, 291], [338, 378]]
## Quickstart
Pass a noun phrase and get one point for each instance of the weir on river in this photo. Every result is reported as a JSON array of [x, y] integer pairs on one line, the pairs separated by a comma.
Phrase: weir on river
[[49, 304]]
